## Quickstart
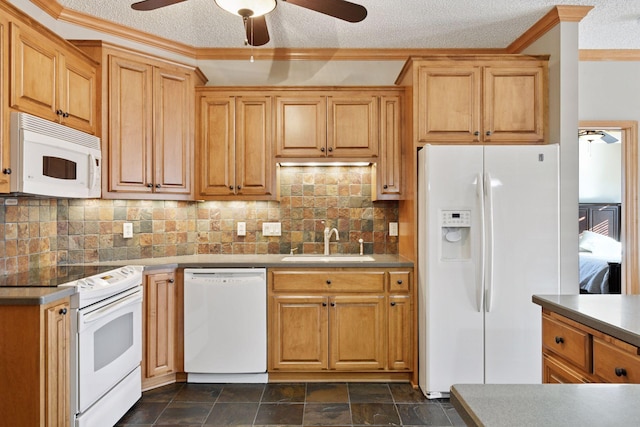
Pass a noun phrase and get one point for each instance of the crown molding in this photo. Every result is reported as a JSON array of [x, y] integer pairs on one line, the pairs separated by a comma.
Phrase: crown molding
[[609, 54], [554, 17]]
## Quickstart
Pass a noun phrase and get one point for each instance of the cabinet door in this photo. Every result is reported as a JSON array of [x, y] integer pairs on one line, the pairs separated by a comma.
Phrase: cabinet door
[[389, 168], [352, 125], [449, 102], [5, 154], [173, 131], [301, 126], [160, 322], [400, 333], [514, 104], [298, 333], [130, 126], [77, 93], [34, 72], [216, 147], [357, 332], [253, 174], [56, 370]]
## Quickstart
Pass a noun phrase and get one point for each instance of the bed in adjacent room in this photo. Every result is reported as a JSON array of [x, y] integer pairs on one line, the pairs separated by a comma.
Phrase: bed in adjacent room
[[600, 249]]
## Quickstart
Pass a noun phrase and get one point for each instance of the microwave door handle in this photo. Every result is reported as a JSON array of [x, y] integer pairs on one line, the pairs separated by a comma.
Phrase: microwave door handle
[[93, 172]]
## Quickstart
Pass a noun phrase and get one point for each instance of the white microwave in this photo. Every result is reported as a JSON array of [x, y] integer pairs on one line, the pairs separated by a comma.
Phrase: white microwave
[[49, 159]]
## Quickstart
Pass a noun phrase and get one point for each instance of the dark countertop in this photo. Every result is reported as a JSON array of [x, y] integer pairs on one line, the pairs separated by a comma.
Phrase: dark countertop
[[33, 295], [615, 315], [566, 405], [39, 286]]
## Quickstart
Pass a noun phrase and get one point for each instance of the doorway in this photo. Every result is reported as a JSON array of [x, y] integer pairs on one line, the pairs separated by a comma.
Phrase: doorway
[[629, 198]]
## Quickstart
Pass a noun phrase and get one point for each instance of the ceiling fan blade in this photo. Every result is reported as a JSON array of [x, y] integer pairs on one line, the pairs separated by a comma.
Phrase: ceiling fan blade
[[153, 4], [340, 9], [608, 138], [257, 31]]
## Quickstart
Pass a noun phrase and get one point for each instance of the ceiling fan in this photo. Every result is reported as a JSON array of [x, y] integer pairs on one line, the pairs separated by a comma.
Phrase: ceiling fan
[[254, 11], [592, 135]]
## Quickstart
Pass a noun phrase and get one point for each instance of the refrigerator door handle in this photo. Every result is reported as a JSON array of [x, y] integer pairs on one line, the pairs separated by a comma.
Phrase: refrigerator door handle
[[481, 272], [490, 237]]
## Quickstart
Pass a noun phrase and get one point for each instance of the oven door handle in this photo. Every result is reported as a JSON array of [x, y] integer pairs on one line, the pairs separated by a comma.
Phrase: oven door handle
[[108, 309]]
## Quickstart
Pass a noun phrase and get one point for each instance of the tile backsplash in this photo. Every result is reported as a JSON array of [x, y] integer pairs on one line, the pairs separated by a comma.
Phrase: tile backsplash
[[43, 232]]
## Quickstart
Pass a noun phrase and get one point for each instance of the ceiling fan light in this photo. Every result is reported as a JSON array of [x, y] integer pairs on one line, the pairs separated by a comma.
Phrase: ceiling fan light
[[247, 8]]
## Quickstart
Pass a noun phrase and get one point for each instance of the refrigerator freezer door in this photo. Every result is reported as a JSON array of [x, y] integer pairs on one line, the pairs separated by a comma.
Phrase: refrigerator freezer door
[[451, 320], [525, 226]]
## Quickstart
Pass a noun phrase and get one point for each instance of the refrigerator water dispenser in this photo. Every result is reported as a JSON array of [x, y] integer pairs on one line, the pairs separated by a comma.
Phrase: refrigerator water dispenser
[[456, 225]]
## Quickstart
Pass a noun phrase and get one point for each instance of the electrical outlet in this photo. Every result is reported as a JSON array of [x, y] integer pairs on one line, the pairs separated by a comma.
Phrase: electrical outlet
[[127, 230], [271, 229], [393, 229], [242, 228]]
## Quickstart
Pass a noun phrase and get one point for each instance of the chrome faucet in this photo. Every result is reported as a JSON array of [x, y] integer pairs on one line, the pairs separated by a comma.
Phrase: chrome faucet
[[327, 238]]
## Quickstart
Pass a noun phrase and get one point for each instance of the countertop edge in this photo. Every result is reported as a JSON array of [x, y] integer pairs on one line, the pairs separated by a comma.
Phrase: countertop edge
[[40, 296], [597, 324]]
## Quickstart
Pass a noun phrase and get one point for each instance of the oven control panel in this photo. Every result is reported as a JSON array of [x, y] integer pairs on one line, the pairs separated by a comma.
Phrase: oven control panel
[[104, 285]]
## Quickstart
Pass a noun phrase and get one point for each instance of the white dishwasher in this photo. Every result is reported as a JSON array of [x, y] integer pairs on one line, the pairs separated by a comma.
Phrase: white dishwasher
[[225, 325]]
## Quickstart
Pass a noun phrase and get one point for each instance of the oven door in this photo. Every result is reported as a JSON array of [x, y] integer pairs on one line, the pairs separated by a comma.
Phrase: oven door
[[109, 344]]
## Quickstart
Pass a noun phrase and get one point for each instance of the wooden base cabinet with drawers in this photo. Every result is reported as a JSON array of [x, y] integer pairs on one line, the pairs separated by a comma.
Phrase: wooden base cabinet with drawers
[[340, 324], [575, 353]]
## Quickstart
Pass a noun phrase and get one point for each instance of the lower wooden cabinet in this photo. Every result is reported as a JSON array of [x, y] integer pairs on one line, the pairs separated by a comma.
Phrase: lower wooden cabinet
[[575, 353], [159, 328], [34, 364], [347, 322]]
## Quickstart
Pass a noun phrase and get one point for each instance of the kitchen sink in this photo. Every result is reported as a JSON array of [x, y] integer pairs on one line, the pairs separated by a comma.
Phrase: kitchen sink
[[328, 258]]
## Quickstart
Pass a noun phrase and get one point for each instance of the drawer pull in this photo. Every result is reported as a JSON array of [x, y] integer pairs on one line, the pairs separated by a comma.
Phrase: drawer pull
[[328, 282], [559, 340], [393, 304], [621, 372], [399, 281]]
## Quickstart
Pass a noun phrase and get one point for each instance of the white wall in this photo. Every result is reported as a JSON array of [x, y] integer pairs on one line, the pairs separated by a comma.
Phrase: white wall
[[600, 171], [561, 43]]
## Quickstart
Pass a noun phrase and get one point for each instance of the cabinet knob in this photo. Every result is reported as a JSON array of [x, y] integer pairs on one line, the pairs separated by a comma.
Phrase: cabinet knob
[[559, 340], [158, 186], [322, 149], [65, 114], [333, 304], [324, 304], [6, 171], [476, 133], [488, 133], [328, 281], [393, 304], [171, 280], [330, 149], [59, 113], [63, 311], [385, 186], [231, 187], [399, 281], [239, 187], [150, 185], [620, 372]]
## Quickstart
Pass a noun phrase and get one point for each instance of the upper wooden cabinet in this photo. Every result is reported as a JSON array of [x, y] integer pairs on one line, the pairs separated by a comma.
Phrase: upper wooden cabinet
[[51, 80], [148, 124], [234, 146], [327, 124], [388, 175], [492, 99], [5, 153]]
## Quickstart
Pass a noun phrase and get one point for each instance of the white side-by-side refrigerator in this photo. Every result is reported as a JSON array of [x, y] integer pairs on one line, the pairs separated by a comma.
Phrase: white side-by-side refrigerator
[[489, 237]]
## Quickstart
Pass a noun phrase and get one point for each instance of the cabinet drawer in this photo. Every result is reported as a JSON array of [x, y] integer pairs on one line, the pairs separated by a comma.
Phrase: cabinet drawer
[[333, 281], [614, 364], [567, 342], [399, 281]]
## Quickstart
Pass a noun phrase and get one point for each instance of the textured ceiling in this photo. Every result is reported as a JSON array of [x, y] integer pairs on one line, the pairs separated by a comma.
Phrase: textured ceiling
[[612, 24]]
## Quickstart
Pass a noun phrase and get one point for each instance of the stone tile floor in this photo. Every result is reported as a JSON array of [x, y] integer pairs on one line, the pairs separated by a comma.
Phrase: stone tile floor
[[295, 404]]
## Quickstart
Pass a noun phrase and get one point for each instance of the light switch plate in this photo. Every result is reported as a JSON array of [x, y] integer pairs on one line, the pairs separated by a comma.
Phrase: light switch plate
[[393, 229], [127, 230], [242, 228], [271, 229]]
